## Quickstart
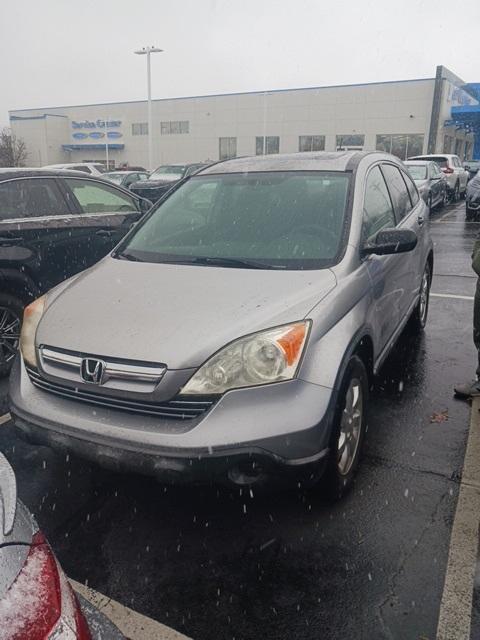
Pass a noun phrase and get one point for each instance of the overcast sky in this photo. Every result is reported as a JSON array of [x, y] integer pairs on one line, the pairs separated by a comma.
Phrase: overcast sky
[[60, 52]]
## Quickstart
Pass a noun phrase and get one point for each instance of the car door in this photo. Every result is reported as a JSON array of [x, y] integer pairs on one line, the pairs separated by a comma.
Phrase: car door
[[35, 230], [378, 214], [104, 215], [437, 185], [410, 213], [460, 173]]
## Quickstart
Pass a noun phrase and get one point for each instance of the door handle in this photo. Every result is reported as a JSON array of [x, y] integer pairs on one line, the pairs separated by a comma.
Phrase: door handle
[[9, 240], [104, 233]]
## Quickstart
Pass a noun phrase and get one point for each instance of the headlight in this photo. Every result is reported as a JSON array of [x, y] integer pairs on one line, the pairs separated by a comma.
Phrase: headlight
[[261, 358], [31, 317]]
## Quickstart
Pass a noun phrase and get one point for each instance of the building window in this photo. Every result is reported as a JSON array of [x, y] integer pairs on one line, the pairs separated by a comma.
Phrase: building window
[[227, 148], [311, 143], [140, 129], [347, 141], [447, 144], [174, 127], [267, 145], [401, 145]]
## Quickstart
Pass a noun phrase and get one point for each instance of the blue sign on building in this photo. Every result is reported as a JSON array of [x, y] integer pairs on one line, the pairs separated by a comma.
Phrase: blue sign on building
[[96, 124]]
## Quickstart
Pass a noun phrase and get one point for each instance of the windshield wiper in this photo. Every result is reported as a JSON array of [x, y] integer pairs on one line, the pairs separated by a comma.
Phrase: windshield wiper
[[234, 262], [127, 256]]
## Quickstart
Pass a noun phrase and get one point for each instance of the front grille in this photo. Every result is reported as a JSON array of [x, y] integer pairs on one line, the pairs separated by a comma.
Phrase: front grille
[[174, 409]]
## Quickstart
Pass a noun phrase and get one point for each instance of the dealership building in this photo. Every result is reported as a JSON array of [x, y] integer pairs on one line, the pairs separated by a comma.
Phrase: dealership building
[[409, 117]]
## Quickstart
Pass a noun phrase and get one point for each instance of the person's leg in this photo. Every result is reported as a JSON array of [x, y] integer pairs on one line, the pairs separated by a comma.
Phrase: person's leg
[[471, 389]]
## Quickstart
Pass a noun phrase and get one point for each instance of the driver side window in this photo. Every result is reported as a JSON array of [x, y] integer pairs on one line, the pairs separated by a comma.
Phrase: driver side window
[[377, 208], [95, 197]]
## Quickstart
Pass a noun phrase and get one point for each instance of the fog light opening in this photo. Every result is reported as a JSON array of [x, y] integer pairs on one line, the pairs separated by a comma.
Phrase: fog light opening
[[246, 473]]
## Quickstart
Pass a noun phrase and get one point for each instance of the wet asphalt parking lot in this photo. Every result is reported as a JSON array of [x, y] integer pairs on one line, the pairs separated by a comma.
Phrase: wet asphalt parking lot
[[213, 563]]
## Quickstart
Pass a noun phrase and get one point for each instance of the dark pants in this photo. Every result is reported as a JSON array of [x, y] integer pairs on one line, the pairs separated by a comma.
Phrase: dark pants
[[476, 324]]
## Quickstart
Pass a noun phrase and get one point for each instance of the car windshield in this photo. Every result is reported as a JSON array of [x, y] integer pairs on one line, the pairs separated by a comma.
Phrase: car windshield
[[417, 171], [168, 171], [290, 220], [114, 177]]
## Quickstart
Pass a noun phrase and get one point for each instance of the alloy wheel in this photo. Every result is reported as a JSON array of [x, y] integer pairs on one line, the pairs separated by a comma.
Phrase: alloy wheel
[[350, 427], [9, 334], [424, 287]]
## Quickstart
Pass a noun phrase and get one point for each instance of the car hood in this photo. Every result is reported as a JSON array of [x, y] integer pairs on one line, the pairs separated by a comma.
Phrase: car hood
[[175, 314], [473, 189]]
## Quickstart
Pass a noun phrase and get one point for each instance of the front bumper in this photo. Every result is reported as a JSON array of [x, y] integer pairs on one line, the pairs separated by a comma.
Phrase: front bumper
[[248, 435]]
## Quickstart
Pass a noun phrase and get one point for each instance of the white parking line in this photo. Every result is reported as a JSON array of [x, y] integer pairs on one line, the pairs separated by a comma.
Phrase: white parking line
[[133, 625], [451, 295], [456, 606]]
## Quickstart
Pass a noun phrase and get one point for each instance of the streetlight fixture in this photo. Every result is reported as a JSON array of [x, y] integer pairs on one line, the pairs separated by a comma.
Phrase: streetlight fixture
[[147, 51]]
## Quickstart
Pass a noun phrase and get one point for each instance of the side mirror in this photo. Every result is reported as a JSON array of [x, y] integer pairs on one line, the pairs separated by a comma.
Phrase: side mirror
[[391, 241], [145, 205]]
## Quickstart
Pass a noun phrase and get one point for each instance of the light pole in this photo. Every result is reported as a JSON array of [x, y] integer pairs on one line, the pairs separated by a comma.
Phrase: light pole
[[142, 52]]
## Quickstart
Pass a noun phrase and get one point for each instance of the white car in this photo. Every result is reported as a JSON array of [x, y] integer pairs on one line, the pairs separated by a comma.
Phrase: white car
[[457, 176], [93, 168]]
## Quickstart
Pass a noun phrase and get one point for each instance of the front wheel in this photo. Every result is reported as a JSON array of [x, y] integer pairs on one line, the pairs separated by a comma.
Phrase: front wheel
[[445, 199], [420, 313], [348, 431], [430, 204], [456, 193], [11, 314]]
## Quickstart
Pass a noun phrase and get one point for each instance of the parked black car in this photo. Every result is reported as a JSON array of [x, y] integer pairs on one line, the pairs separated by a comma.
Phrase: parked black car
[[163, 179], [472, 200], [53, 224], [125, 178]]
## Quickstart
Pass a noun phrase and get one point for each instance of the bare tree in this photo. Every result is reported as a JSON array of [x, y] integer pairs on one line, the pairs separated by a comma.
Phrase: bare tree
[[13, 151]]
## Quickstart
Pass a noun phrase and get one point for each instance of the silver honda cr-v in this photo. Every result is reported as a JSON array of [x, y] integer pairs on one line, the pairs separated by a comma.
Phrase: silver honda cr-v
[[234, 331]]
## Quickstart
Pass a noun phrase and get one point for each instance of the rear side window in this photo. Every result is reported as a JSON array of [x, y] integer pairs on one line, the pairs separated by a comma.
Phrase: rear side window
[[440, 160], [412, 189], [377, 208], [398, 191], [99, 198], [30, 198], [81, 167]]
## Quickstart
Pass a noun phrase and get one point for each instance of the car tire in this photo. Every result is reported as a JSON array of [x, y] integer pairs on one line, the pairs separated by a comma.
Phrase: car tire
[[348, 431], [445, 199], [420, 313], [456, 193], [11, 316]]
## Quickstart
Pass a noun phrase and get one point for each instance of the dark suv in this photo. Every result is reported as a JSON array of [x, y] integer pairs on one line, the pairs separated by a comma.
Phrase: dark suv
[[53, 224], [163, 179]]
